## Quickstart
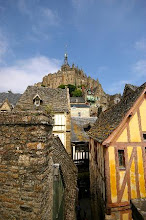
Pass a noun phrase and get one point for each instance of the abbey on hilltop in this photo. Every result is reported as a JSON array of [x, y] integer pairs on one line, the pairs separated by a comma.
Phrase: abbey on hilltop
[[92, 90]]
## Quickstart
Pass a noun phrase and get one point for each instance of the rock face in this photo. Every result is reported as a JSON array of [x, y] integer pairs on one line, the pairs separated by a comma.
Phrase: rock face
[[32, 163]]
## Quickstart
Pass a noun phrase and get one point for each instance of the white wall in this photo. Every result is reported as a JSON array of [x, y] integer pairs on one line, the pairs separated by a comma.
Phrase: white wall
[[59, 128], [80, 112]]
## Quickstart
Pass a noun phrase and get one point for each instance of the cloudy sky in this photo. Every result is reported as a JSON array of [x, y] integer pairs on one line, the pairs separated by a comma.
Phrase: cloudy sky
[[106, 38]]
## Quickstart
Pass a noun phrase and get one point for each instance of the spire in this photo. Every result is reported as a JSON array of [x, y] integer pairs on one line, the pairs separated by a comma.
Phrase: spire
[[65, 59], [65, 56]]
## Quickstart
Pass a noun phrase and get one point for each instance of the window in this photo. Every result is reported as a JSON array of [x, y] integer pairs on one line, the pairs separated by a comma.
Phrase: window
[[121, 157], [79, 114], [37, 100], [144, 136]]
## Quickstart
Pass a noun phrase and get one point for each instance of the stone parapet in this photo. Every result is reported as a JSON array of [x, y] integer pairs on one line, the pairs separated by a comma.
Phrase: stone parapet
[[23, 117], [26, 175]]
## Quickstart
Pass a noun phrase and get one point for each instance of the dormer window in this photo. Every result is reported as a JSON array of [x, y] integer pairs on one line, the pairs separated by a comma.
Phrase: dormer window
[[37, 100]]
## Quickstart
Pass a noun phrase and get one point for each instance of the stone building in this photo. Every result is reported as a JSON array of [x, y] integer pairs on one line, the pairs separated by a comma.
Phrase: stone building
[[68, 75], [37, 177], [8, 100], [79, 108], [75, 76], [117, 155], [80, 139], [138, 207], [53, 101]]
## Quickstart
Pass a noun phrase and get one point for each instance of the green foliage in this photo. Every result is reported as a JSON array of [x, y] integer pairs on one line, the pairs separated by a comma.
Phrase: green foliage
[[49, 110], [61, 86], [72, 88], [77, 93]]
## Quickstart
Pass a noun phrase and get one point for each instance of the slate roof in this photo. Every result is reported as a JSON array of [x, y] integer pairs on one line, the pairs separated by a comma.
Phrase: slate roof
[[77, 100], [77, 128], [56, 99], [111, 118], [12, 97], [128, 89], [80, 105]]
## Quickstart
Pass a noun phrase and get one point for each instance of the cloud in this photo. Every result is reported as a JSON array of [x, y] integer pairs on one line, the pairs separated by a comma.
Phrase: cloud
[[102, 69], [26, 72], [137, 77], [23, 8], [51, 17], [118, 86], [39, 14], [140, 68], [41, 19], [81, 5], [141, 44], [3, 46]]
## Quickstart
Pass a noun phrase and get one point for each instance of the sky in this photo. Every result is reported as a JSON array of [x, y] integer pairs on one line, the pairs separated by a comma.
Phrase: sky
[[106, 38]]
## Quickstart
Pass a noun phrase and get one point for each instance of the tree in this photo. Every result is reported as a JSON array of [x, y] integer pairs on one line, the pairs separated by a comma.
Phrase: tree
[[72, 88], [61, 86], [77, 93]]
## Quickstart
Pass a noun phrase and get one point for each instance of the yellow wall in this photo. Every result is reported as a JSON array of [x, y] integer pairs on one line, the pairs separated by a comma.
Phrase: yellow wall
[[126, 216], [134, 129], [137, 164], [112, 166], [143, 115], [141, 173], [123, 136], [5, 107]]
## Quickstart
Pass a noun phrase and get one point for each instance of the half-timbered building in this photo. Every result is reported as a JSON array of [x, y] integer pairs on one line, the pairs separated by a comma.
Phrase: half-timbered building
[[118, 156]]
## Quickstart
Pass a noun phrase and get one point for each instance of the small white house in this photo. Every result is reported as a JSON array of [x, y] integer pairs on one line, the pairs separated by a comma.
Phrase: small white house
[[79, 108]]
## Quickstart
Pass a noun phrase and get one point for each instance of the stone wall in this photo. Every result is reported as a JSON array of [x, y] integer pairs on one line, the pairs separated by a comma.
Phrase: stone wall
[[138, 207], [25, 171], [69, 172], [97, 180], [27, 155]]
